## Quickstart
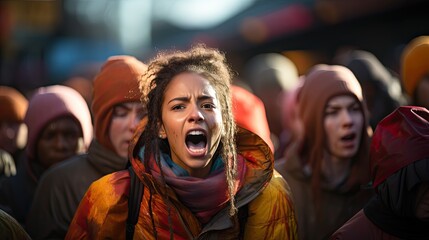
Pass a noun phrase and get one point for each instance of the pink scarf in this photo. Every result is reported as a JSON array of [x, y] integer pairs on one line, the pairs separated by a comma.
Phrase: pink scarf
[[204, 197]]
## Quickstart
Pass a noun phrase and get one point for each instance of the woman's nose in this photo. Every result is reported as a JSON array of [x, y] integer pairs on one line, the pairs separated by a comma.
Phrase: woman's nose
[[134, 120], [195, 114], [347, 118]]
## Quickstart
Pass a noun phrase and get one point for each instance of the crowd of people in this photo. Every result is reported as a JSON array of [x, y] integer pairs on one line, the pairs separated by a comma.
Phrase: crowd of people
[[179, 147]]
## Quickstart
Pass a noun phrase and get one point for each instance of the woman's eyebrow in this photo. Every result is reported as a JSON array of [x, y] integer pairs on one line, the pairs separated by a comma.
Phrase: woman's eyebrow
[[186, 99], [181, 99], [123, 106], [205, 97], [337, 106], [332, 106]]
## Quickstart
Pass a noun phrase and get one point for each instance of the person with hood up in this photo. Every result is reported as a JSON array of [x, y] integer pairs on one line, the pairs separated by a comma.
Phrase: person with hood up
[[328, 165], [59, 127], [415, 70], [400, 176], [13, 131], [201, 177], [117, 110], [382, 90]]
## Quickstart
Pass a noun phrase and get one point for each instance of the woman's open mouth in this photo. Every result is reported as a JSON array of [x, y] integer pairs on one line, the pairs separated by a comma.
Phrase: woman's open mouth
[[349, 140], [349, 137], [196, 142]]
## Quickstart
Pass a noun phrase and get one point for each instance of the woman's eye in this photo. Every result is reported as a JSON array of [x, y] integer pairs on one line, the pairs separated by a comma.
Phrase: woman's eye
[[331, 112], [178, 107], [208, 106], [355, 108], [120, 112], [48, 136]]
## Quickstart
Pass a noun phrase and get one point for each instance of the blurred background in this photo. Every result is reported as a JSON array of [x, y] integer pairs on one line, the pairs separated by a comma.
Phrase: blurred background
[[47, 42]]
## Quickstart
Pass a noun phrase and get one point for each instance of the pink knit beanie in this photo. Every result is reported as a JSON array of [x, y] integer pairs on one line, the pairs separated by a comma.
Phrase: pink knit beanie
[[49, 103]]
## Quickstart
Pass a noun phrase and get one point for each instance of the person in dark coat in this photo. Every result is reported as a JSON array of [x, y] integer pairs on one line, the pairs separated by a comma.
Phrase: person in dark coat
[[116, 109], [400, 175], [59, 127]]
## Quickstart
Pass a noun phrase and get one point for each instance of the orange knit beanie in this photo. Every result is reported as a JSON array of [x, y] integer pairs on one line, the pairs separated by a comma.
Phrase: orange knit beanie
[[13, 105], [415, 63], [116, 83]]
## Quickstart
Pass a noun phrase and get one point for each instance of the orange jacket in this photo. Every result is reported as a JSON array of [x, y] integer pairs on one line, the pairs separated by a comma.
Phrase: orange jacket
[[103, 211]]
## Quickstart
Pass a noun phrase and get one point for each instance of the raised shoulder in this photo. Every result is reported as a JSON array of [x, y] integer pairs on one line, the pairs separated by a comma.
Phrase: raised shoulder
[[103, 210], [272, 212]]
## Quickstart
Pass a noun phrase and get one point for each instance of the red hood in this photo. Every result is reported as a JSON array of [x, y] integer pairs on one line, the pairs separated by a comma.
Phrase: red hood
[[249, 113], [399, 139]]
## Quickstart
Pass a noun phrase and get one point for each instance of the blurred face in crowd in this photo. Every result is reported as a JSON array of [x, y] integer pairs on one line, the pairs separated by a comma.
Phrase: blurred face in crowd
[[343, 124], [13, 136], [125, 118], [421, 94], [59, 140], [422, 209], [192, 122]]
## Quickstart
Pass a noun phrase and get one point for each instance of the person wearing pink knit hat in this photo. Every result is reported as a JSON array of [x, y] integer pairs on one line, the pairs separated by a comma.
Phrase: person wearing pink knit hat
[[59, 127], [415, 70], [51, 103], [116, 111]]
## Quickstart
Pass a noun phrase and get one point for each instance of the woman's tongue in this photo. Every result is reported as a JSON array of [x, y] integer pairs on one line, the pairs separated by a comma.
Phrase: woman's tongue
[[196, 148]]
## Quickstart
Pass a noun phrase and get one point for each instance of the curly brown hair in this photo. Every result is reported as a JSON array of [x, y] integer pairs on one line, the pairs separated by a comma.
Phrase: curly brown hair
[[209, 63]]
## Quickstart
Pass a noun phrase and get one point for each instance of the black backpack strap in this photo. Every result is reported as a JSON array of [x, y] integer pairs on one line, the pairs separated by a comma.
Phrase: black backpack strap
[[134, 201], [243, 213]]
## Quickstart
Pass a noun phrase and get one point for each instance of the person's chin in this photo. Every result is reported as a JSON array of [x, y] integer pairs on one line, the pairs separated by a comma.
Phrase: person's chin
[[124, 153]]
